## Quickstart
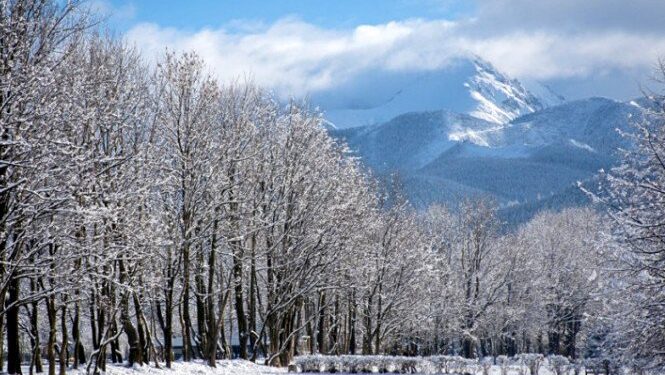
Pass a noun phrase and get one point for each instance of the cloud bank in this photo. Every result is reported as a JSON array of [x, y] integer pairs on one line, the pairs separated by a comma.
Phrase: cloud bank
[[543, 40]]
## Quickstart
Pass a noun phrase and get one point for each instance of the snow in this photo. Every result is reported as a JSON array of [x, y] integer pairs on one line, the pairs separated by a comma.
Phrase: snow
[[545, 94], [581, 145], [500, 99], [470, 86], [634, 104], [224, 367], [489, 110], [477, 137]]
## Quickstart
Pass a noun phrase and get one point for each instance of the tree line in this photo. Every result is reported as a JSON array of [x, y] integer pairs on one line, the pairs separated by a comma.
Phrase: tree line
[[141, 203]]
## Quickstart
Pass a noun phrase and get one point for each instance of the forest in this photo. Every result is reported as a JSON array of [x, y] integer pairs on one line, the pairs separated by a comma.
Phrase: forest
[[147, 205]]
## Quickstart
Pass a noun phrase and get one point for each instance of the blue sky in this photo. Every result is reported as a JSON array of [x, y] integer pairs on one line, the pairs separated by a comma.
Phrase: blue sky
[[197, 14], [580, 48]]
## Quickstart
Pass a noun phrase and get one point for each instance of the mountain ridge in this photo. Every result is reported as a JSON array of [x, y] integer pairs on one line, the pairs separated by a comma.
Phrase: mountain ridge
[[535, 160]]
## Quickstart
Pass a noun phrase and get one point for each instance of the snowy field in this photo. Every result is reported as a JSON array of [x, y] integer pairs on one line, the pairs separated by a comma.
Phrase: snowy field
[[345, 365], [224, 367]]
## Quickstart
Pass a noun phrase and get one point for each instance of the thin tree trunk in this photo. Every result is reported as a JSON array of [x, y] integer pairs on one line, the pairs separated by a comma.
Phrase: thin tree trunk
[[2, 339], [142, 328], [13, 339], [322, 325], [79, 350], [187, 323], [201, 321], [116, 356], [64, 346], [51, 312], [34, 330], [135, 354], [352, 323], [168, 325], [239, 299], [211, 329], [93, 320], [253, 291]]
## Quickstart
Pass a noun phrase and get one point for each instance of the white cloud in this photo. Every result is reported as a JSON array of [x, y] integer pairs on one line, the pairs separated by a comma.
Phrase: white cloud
[[295, 57], [545, 56]]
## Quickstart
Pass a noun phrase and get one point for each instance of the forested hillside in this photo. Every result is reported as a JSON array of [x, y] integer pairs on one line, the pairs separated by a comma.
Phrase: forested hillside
[[535, 160]]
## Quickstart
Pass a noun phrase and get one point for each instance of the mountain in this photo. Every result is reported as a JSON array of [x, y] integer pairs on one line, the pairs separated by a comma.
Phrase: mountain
[[533, 161], [469, 86], [468, 129], [409, 141]]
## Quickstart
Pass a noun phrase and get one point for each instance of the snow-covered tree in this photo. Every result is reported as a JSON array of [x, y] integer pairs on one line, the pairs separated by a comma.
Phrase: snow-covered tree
[[633, 196]]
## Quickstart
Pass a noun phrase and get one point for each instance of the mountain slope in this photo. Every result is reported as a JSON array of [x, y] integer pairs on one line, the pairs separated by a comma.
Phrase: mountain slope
[[500, 99], [409, 141], [533, 161]]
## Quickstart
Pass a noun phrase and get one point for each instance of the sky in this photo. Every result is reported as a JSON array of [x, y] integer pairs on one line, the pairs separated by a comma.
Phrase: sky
[[296, 47]]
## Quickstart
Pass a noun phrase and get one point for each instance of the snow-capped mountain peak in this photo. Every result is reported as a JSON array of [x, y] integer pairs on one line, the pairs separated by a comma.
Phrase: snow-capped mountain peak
[[500, 98], [470, 86]]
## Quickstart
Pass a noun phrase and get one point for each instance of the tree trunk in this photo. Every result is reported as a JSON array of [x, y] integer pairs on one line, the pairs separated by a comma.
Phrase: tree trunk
[[379, 319], [116, 356], [352, 324], [367, 321], [135, 349], [51, 312], [572, 329], [221, 307], [335, 329], [143, 330], [79, 350], [93, 320], [211, 329], [168, 326], [186, 319], [239, 299], [322, 331], [101, 326], [64, 343], [135, 354], [13, 339], [2, 339], [34, 331], [253, 291], [553, 340]]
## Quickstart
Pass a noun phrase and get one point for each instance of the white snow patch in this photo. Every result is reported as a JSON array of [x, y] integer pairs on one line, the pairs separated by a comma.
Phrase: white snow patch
[[472, 136], [477, 137], [512, 203], [488, 110], [499, 98], [581, 145]]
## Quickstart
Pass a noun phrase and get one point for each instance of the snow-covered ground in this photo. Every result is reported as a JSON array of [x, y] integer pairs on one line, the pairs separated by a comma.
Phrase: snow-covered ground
[[241, 367], [224, 367], [353, 364]]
